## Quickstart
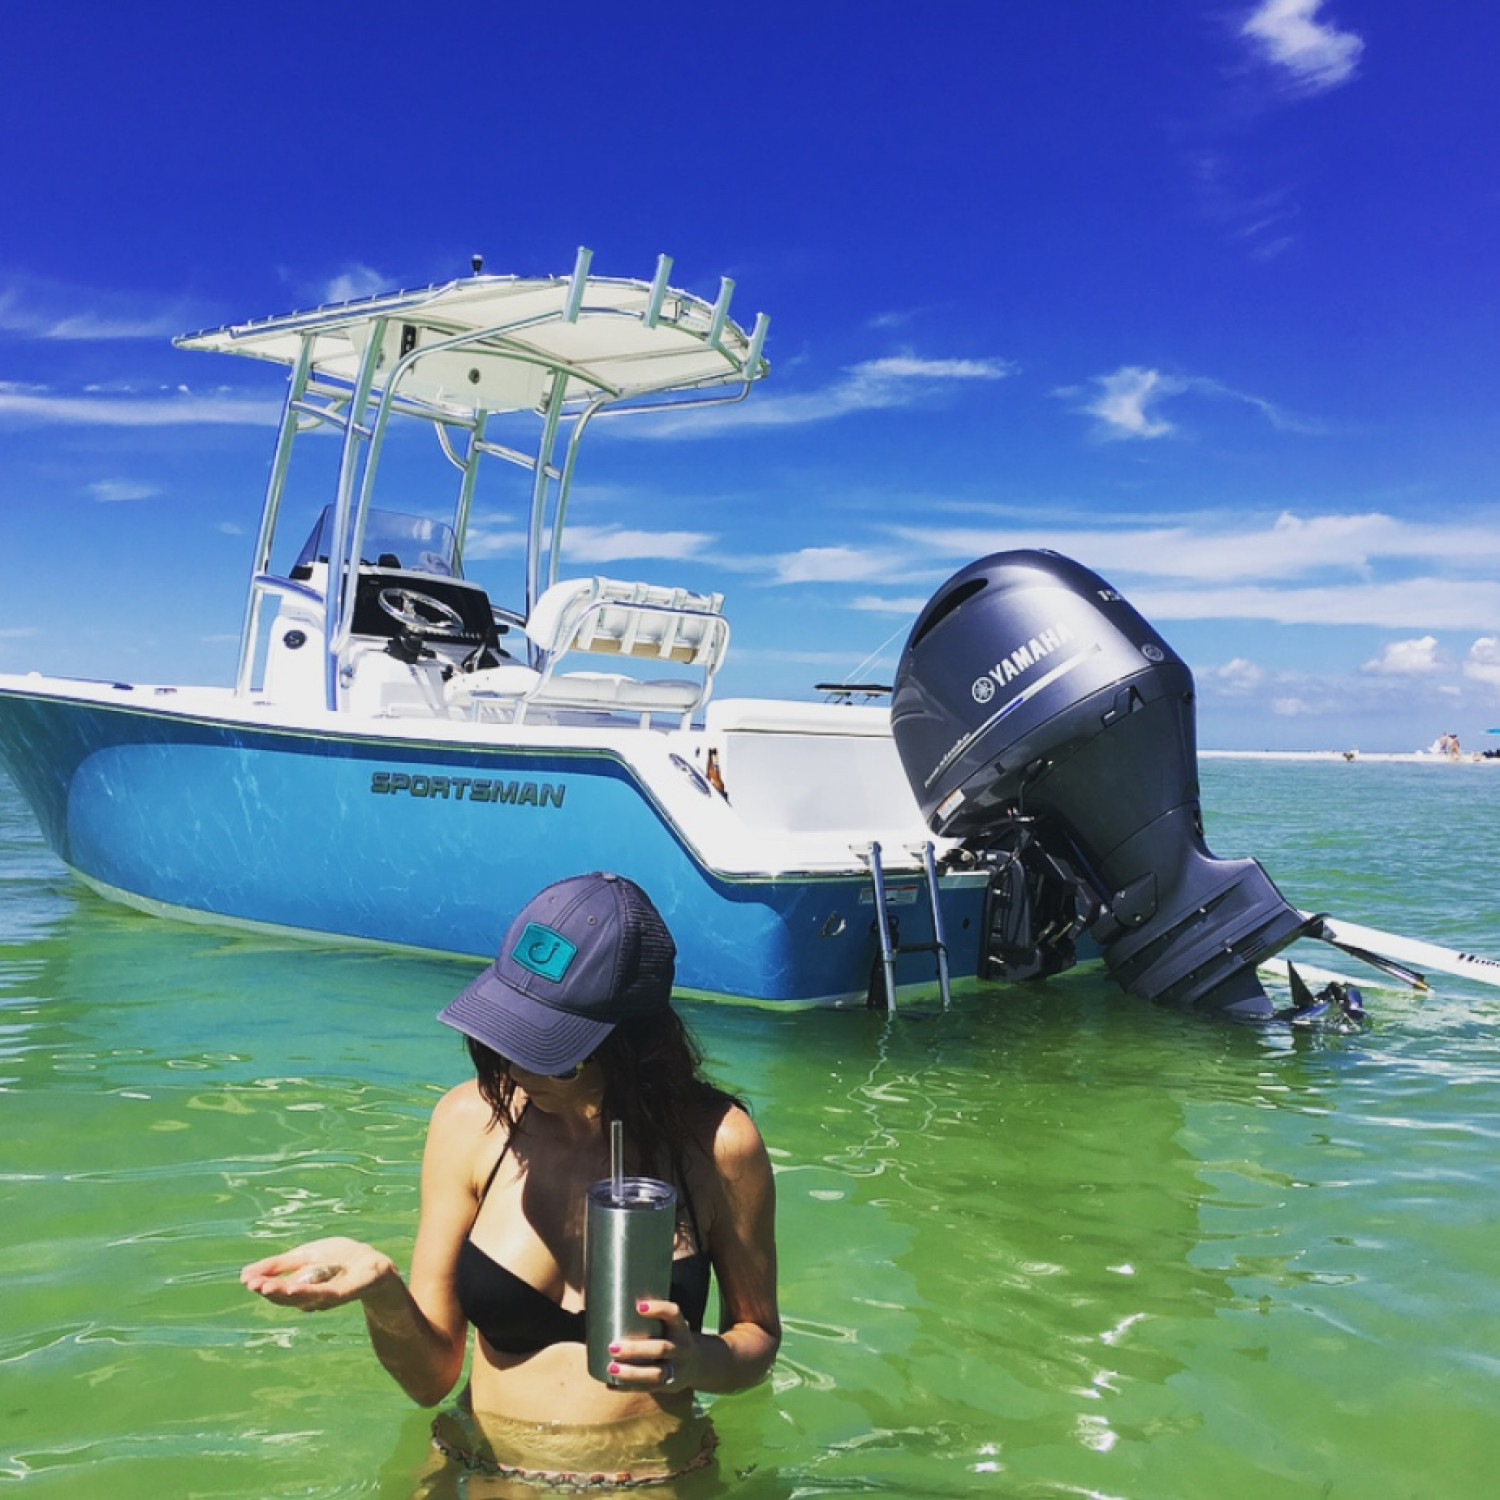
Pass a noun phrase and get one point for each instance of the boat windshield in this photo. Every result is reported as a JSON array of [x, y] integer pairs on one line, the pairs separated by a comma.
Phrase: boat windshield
[[392, 540]]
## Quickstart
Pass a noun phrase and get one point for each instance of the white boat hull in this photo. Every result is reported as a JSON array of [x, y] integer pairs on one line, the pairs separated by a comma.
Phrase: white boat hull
[[429, 835]]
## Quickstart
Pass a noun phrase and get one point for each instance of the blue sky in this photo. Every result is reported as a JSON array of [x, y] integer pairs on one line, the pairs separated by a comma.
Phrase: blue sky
[[1203, 295]]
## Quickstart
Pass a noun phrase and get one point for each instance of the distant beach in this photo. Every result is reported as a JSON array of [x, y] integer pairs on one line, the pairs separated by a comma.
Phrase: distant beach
[[1413, 757]]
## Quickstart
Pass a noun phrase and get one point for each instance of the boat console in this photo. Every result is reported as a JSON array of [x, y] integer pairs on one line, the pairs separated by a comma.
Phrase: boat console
[[415, 620]]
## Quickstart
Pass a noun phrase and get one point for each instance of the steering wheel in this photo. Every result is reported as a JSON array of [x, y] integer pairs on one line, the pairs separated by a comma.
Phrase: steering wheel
[[421, 614]]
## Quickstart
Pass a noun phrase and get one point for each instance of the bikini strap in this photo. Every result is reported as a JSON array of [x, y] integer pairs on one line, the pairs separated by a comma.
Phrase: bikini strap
[[510, 1137], [692, 1213]]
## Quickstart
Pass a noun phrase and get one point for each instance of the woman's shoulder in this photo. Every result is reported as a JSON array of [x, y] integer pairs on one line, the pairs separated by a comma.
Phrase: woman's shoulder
[[463, 1110], [737, 1143], [739, 1186], [461, 1135]]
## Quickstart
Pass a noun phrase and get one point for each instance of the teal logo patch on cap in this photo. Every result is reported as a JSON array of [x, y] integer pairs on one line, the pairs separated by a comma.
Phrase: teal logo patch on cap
[[544, 952]]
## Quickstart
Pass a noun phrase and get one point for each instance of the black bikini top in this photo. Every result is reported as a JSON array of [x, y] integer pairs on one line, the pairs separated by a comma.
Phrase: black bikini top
[[515, 1317]]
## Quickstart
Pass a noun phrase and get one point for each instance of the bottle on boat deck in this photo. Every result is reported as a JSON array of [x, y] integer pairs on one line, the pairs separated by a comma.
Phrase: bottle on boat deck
[[628, 1242]]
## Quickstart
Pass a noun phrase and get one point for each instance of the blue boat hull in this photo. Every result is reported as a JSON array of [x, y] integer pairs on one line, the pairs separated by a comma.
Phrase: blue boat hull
[[427, 845]]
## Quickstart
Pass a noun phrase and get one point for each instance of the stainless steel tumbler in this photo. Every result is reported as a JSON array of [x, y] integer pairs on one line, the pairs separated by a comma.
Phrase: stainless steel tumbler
[[627, 1253]]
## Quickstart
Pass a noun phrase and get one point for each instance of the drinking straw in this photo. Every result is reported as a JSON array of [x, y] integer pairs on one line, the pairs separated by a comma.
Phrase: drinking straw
[[617, 1159]]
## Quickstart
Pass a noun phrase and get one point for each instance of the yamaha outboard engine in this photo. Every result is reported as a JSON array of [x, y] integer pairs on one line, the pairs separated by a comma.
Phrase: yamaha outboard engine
[[1042, 721]]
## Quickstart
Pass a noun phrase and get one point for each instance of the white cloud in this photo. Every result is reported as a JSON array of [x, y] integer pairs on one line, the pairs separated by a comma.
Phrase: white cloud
[[912, 604], [1416, 603], [1483, 661], [1421, 657], [590, 545], [874, 372], [1127, 402], [607, 544], [1289, 35], [36, 308], [1375, 570], [838, 565], [1260, 219], [872, 385], [1200, 548], [1237, 676], [110, 490], [354, 282], [180, 408], [1296, 708], [484, 542], [839, 661]]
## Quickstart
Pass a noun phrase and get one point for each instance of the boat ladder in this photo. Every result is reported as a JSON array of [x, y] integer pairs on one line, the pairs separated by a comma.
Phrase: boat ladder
[[888, 928]]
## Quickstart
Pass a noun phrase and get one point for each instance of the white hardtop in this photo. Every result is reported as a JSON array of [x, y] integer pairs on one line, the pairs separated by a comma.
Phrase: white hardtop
[[495, 343]]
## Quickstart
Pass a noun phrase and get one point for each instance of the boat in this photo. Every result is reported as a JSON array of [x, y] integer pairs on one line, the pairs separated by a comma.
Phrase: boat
[[402, 760]]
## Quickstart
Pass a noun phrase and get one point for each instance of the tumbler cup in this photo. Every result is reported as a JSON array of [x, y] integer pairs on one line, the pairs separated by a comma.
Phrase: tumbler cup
[[627, 1249]]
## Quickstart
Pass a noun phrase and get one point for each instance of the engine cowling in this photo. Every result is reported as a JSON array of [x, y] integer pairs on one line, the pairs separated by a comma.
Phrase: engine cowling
[[1045, 723]]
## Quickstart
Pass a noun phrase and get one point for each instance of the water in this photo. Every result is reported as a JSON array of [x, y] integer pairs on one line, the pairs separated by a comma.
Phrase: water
[[1054, 1242]]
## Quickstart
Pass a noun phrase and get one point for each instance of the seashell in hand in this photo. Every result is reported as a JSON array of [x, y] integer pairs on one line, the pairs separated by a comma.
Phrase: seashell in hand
[[315, 1274]]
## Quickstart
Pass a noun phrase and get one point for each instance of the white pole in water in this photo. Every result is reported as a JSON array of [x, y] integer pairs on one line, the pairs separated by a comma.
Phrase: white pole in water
[[1411, 951]]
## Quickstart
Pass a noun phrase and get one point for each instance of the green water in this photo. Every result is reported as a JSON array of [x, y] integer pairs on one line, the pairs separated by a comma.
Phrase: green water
[[1053, 1242]]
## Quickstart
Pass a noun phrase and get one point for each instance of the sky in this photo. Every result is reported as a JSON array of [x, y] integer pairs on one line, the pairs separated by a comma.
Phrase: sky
[[1203, 295]]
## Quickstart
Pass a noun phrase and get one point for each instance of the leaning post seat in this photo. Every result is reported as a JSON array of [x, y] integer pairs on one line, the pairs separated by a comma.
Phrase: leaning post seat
[[604, 616]]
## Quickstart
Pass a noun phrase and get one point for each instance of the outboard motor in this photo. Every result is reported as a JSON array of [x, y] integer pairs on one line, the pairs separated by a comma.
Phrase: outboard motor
[[1042, 721]]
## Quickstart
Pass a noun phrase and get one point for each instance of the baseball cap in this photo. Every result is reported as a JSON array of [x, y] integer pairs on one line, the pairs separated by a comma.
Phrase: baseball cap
[[579, 958]]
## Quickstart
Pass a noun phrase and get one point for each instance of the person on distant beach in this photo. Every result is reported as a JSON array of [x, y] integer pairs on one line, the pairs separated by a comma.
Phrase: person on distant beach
[[569, 1028]]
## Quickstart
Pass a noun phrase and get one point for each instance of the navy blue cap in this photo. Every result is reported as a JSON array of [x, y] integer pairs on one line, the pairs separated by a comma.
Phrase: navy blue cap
[[579, 958]]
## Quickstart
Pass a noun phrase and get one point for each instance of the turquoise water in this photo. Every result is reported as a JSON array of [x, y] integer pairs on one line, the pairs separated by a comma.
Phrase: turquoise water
[[1053, 1242]]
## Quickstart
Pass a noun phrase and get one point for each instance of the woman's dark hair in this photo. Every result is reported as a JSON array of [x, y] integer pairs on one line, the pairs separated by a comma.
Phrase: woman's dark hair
[[653, 1085]]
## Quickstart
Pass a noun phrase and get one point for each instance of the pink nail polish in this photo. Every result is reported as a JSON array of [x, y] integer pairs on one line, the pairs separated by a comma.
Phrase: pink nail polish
[[642, 1306], [614, 1369], [614, 1348]]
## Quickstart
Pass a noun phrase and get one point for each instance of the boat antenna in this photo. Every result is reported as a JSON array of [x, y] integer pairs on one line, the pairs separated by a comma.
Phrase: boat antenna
[[477, 261], [870, 659]]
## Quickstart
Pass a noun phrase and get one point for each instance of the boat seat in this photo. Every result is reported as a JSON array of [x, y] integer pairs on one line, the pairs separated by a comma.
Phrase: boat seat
[[630, 619], [604, 616]]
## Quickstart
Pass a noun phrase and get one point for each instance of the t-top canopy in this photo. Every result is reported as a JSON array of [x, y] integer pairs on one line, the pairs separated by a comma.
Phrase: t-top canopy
[[496, 343]]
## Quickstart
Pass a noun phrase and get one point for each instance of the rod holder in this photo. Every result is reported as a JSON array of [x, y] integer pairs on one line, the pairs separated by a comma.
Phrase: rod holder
[[721, 311], [579, 282], [658, 291], [753, 359]]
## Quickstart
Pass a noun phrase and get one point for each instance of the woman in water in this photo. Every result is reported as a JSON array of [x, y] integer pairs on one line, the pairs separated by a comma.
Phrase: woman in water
[[569, 1029]]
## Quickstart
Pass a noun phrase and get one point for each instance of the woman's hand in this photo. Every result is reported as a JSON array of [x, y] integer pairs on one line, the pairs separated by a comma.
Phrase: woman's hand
[[319, 1275], [657, 1364]]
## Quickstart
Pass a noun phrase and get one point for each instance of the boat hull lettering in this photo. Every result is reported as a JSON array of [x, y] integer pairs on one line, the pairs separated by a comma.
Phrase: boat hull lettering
[[467, 789]]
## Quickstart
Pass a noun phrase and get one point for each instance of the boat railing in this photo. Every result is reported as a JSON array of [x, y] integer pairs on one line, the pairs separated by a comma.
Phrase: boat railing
[[630, 619], [265, 586], [604, 616]]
